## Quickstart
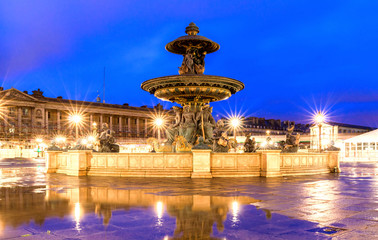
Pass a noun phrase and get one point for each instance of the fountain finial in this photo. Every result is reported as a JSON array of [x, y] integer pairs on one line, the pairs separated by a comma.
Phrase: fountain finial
[[192, 29]]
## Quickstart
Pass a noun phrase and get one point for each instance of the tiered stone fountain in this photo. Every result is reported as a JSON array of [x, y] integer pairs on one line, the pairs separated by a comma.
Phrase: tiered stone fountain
[[192, 89]]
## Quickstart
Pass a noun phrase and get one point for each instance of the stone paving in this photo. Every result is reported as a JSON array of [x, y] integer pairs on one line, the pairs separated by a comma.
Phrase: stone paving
[[34, 205]]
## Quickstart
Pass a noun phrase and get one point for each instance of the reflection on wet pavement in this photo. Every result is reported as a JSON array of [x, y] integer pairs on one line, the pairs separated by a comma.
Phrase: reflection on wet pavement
[[34, 205]]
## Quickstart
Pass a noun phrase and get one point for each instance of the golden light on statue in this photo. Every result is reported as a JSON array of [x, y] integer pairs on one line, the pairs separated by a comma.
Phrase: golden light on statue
[[60, 139], [91, 139]]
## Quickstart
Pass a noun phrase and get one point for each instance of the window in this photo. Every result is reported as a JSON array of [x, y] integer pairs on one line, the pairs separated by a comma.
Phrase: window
[[25, 111], [373, 146], [359, 146], [12, 111], [365, 146]]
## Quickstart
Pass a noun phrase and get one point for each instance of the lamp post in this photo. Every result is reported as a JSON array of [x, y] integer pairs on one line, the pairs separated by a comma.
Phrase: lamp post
[[319, 119], [39, 141], [235, 123], [158, 122], [76, 119]]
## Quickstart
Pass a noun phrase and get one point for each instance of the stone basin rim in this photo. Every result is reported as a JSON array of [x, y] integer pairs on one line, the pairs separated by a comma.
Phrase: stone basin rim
[[154, 84]]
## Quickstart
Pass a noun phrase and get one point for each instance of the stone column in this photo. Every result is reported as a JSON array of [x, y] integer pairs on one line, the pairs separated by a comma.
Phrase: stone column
[[58, 119], [111, 122], [201, 163], [129, 126], [270, 163], [120, 125], [100, 127], [6, 124], [91, 122], [19, 119], [47, 121], [145, 128], [137, 127]]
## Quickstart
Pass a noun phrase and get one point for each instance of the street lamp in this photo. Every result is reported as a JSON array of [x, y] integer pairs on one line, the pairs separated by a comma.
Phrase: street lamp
[[76, 119], [158, 123], [235, 123], [319, 119], [39, 141]]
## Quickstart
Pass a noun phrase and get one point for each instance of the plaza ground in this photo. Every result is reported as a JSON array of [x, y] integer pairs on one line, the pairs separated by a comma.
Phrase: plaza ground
[[35, 205]]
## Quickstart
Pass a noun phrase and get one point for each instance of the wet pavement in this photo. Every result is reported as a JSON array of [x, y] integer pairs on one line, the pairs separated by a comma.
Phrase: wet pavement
[[35, 205]]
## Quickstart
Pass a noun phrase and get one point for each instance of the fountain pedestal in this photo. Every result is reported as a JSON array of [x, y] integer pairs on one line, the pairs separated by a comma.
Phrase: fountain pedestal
[[201, 163], [78, 162], [270, 163], [52, 161]]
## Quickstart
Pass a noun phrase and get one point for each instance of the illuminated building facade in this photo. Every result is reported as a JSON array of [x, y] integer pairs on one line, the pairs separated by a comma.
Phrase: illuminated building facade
[[361, 148], [26, 116]]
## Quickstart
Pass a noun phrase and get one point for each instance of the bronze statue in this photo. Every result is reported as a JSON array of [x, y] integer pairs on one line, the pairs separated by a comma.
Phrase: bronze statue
[[173, 130], [291, 144], [193, 62], [188, 127], [219, 129], [223, 144], [107, 140], [206, 123], [249, 145]]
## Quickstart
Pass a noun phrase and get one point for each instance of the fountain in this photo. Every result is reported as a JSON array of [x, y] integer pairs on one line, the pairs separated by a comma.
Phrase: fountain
[[201, 145], [192, 89]]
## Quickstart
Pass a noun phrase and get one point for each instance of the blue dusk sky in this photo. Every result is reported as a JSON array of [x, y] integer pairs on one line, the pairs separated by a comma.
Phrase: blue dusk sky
[[294, 56]]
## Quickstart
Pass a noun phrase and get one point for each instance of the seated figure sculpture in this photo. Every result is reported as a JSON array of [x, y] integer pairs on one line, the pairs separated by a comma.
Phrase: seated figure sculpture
[[172, 131], [249, 145], [107, 140], [223, 144]]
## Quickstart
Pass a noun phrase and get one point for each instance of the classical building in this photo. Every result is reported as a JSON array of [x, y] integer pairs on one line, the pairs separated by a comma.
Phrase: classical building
[[336, 133], [26, 116]]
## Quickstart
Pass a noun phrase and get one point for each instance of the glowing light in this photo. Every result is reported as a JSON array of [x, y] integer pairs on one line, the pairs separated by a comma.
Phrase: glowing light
[[84, 141], [60, 139], [263, 144], [159, 212], [39, 140], [235, 212], [319, 118], [158, 122], [77, 215], [75, 118], [235, 122], [94, 124], [91, 139]]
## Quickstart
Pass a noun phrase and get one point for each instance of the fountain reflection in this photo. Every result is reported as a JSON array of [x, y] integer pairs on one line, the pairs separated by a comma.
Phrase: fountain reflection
[[195, 214]]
